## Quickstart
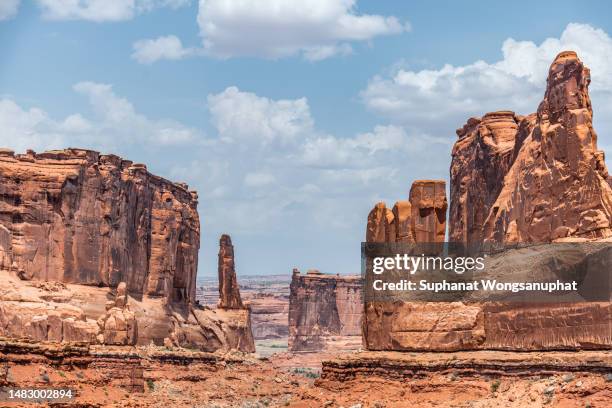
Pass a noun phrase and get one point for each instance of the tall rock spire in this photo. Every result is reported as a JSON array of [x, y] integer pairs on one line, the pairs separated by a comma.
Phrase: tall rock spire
[[534, 179], [229, 293]]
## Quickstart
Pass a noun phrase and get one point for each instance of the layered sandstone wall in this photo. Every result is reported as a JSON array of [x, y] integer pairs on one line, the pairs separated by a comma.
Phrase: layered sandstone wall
[[76, 216], [324, 312], [96, 249]]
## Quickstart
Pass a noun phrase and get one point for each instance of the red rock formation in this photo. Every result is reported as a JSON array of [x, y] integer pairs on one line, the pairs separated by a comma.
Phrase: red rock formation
[[518, 179], [428, 200], [481, 157], [379, 224], [229, 297], [401, 226], [229, 293], [76, 216], [78, 228], [533, 179], [420, 219], [324, 312]]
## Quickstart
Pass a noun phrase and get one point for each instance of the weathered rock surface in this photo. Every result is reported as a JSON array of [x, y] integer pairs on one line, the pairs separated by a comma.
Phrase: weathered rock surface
[[77, 216], [324, 312], [95, 249], [422, 218], [229, 293], [429, 205], [533, 179], [481, 157], [230, 304]]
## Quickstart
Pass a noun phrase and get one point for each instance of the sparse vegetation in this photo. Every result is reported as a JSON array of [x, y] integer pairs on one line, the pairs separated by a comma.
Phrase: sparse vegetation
[[150, 384], [495, 385], [306, 372]]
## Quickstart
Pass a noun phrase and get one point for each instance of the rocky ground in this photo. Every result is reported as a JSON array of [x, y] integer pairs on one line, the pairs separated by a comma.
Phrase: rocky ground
[[158, 377]]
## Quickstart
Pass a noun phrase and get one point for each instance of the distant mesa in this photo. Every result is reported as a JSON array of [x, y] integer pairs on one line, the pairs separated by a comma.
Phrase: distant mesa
[[324, 312]]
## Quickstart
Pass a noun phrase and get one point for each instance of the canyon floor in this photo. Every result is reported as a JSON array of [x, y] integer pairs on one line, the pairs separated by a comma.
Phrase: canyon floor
[[158, 377]]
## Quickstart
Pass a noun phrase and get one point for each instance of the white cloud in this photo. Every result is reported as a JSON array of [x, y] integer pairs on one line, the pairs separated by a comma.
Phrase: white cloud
[[102, 10], [114, 125], [118, 115], [169, 47], [359, 151], [259, 179], [322, 52], [317, 29], [439, 100], [250, 118], [27, 128], [8, 9], [270, 166]]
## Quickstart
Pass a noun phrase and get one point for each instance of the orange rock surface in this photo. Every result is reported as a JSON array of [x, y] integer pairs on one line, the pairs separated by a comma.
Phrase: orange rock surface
[[537, 178], [324, 312]]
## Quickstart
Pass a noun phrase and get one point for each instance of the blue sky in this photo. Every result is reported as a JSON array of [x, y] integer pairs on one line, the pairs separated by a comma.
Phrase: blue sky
[[291, 122]]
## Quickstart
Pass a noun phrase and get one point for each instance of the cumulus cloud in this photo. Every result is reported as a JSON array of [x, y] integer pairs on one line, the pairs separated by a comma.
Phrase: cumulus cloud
[[317, 29], [248, 117], [166, 47], [114, 124], [441, 99], [314, 29], [270, 159], [8, 9], [259, 179], [102, 10]]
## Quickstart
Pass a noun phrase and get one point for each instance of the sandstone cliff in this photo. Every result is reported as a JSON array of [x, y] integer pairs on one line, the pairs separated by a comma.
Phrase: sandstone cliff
[[76, 216], [324, 312], [96, 249], [536, 178]]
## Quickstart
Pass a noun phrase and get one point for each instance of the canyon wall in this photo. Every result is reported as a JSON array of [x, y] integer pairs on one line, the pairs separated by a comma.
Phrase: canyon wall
[[76, 216], [96, 249], [532, 179], [324, 312]]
